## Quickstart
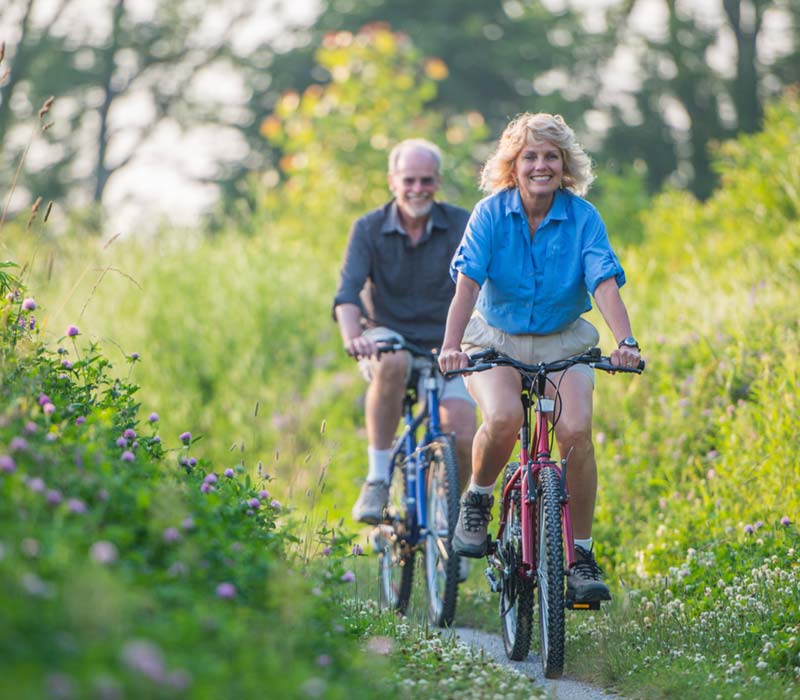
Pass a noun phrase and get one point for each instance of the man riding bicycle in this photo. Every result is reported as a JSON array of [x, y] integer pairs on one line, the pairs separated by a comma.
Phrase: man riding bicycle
[[394, 282]]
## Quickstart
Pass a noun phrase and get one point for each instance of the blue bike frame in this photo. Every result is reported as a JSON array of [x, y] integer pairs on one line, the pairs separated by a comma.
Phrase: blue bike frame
[[416, 465]]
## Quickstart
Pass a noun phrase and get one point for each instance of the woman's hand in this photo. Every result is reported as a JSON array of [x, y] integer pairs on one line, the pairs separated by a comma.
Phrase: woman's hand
[[451, 359], [625, 356]]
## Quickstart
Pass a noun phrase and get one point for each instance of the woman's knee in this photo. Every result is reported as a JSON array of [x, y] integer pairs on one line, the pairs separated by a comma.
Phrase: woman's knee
[[503, 421]]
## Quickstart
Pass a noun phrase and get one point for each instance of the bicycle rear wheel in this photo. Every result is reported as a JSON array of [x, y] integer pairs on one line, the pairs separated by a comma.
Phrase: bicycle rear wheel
[[516, 590], [441, 563], [550, 572], [395, 555]]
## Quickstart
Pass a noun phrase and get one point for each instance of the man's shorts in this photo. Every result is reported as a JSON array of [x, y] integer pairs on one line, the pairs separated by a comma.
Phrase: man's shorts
[[450, 388], [576, 338]]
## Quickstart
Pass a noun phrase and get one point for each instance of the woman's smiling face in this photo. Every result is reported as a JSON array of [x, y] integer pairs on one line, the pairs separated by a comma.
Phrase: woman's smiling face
[[539, 169]]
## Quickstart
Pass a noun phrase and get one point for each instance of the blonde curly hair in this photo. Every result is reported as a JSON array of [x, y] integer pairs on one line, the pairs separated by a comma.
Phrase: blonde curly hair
[[529, 129]]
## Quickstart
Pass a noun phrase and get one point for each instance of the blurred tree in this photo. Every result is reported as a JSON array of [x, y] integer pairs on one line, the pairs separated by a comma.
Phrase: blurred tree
[[703, 79], [335, 138], [507, 56], [127, 75]]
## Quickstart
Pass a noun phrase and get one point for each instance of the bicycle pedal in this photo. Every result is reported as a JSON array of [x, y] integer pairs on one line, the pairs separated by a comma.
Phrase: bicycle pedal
[[574, 605], [491, 546]]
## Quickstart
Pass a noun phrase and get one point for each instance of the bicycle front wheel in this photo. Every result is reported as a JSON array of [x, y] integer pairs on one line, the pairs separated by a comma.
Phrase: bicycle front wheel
[[441, 563], [395, 555], [550, 572], [516, 591]]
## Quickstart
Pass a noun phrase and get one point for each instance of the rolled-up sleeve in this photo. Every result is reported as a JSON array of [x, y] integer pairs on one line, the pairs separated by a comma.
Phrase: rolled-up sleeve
[[355, 268], [474, 252], [599, 260]]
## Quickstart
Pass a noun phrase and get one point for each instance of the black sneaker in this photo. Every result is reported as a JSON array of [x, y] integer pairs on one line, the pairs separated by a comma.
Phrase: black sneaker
[[584, 580], [469, 539]]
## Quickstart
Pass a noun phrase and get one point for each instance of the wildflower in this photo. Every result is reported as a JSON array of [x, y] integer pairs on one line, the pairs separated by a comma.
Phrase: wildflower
[[186, 437], [17, 444], [31, 427], [226, 590], [171, 534], [103, 552], [324, 660], [348, 577], [53, 497], [254, 503], [134, 356], [263, 494], [357, 550], [210, 478], [80, 420], [129, 433], [326, 550], [121, 442], [156, 439], [66, 364], [76, 505], [205, 487], [785, 521], [192, 462], [145, 658], [749, 529], [758, 524], [128, 456], [32, 322], [229, 473], [275, 504], [187, 523], [72, 331], [36, 485], [7, 464], [43, 399], [49, 409], [153, 417]]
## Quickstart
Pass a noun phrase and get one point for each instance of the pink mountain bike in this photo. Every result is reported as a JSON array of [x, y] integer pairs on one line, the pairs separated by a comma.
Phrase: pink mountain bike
[[534, 547]]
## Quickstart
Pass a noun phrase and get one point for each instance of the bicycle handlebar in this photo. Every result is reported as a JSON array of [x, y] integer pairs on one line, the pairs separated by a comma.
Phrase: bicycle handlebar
[[490, 358], [397, 345]]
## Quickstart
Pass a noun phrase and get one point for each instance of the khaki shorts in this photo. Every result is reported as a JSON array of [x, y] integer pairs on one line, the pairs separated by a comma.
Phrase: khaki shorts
[[453, 388], [576, 338]]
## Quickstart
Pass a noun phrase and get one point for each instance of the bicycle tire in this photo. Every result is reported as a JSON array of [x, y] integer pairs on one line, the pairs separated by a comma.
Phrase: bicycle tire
[[441, 562], [396, 557], [550, 572], [516, 590]]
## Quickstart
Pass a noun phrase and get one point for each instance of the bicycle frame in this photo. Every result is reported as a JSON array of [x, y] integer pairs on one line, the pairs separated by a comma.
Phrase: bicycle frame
[[526, 476], [416, 466]]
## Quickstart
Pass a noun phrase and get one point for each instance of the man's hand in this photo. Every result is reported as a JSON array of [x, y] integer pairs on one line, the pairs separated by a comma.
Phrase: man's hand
[[361, 347], [451, 359]]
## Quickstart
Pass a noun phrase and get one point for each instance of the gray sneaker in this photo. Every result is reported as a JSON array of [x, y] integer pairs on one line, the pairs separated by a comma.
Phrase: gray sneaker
[[371, 501], [469, 539], [584, 580]]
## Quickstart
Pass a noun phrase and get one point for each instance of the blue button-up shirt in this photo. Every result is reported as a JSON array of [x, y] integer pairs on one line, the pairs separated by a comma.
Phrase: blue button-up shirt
[[535, 285]]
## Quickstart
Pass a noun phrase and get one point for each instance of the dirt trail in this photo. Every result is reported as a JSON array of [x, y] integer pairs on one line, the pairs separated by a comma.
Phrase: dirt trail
[[564, 689]]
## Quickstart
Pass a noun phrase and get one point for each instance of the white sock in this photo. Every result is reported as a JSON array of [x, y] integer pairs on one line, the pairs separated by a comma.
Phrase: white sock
[[483, 490], [586, 544], [378, 465]]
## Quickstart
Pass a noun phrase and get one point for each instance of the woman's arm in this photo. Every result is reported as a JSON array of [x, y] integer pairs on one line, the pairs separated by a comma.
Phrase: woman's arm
[[611, 306], [458, 315]]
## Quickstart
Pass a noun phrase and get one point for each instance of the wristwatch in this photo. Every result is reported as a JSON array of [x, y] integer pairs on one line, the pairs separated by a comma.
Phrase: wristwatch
[[629, 342]]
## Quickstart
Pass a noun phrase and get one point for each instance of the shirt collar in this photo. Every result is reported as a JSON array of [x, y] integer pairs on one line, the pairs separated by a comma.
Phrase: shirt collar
[[391, 223], [558, 210]]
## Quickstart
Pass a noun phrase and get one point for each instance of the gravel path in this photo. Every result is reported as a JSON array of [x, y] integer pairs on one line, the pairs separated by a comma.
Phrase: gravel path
[[564, 689]]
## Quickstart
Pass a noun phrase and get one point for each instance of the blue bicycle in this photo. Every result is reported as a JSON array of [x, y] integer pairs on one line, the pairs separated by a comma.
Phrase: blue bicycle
[[423, 499]]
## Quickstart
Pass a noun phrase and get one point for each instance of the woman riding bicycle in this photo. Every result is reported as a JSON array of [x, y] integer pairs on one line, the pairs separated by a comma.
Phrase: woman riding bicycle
[[532, 253]]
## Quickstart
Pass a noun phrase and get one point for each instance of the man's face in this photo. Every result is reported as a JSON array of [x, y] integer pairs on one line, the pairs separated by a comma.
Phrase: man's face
[[414, 183]]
